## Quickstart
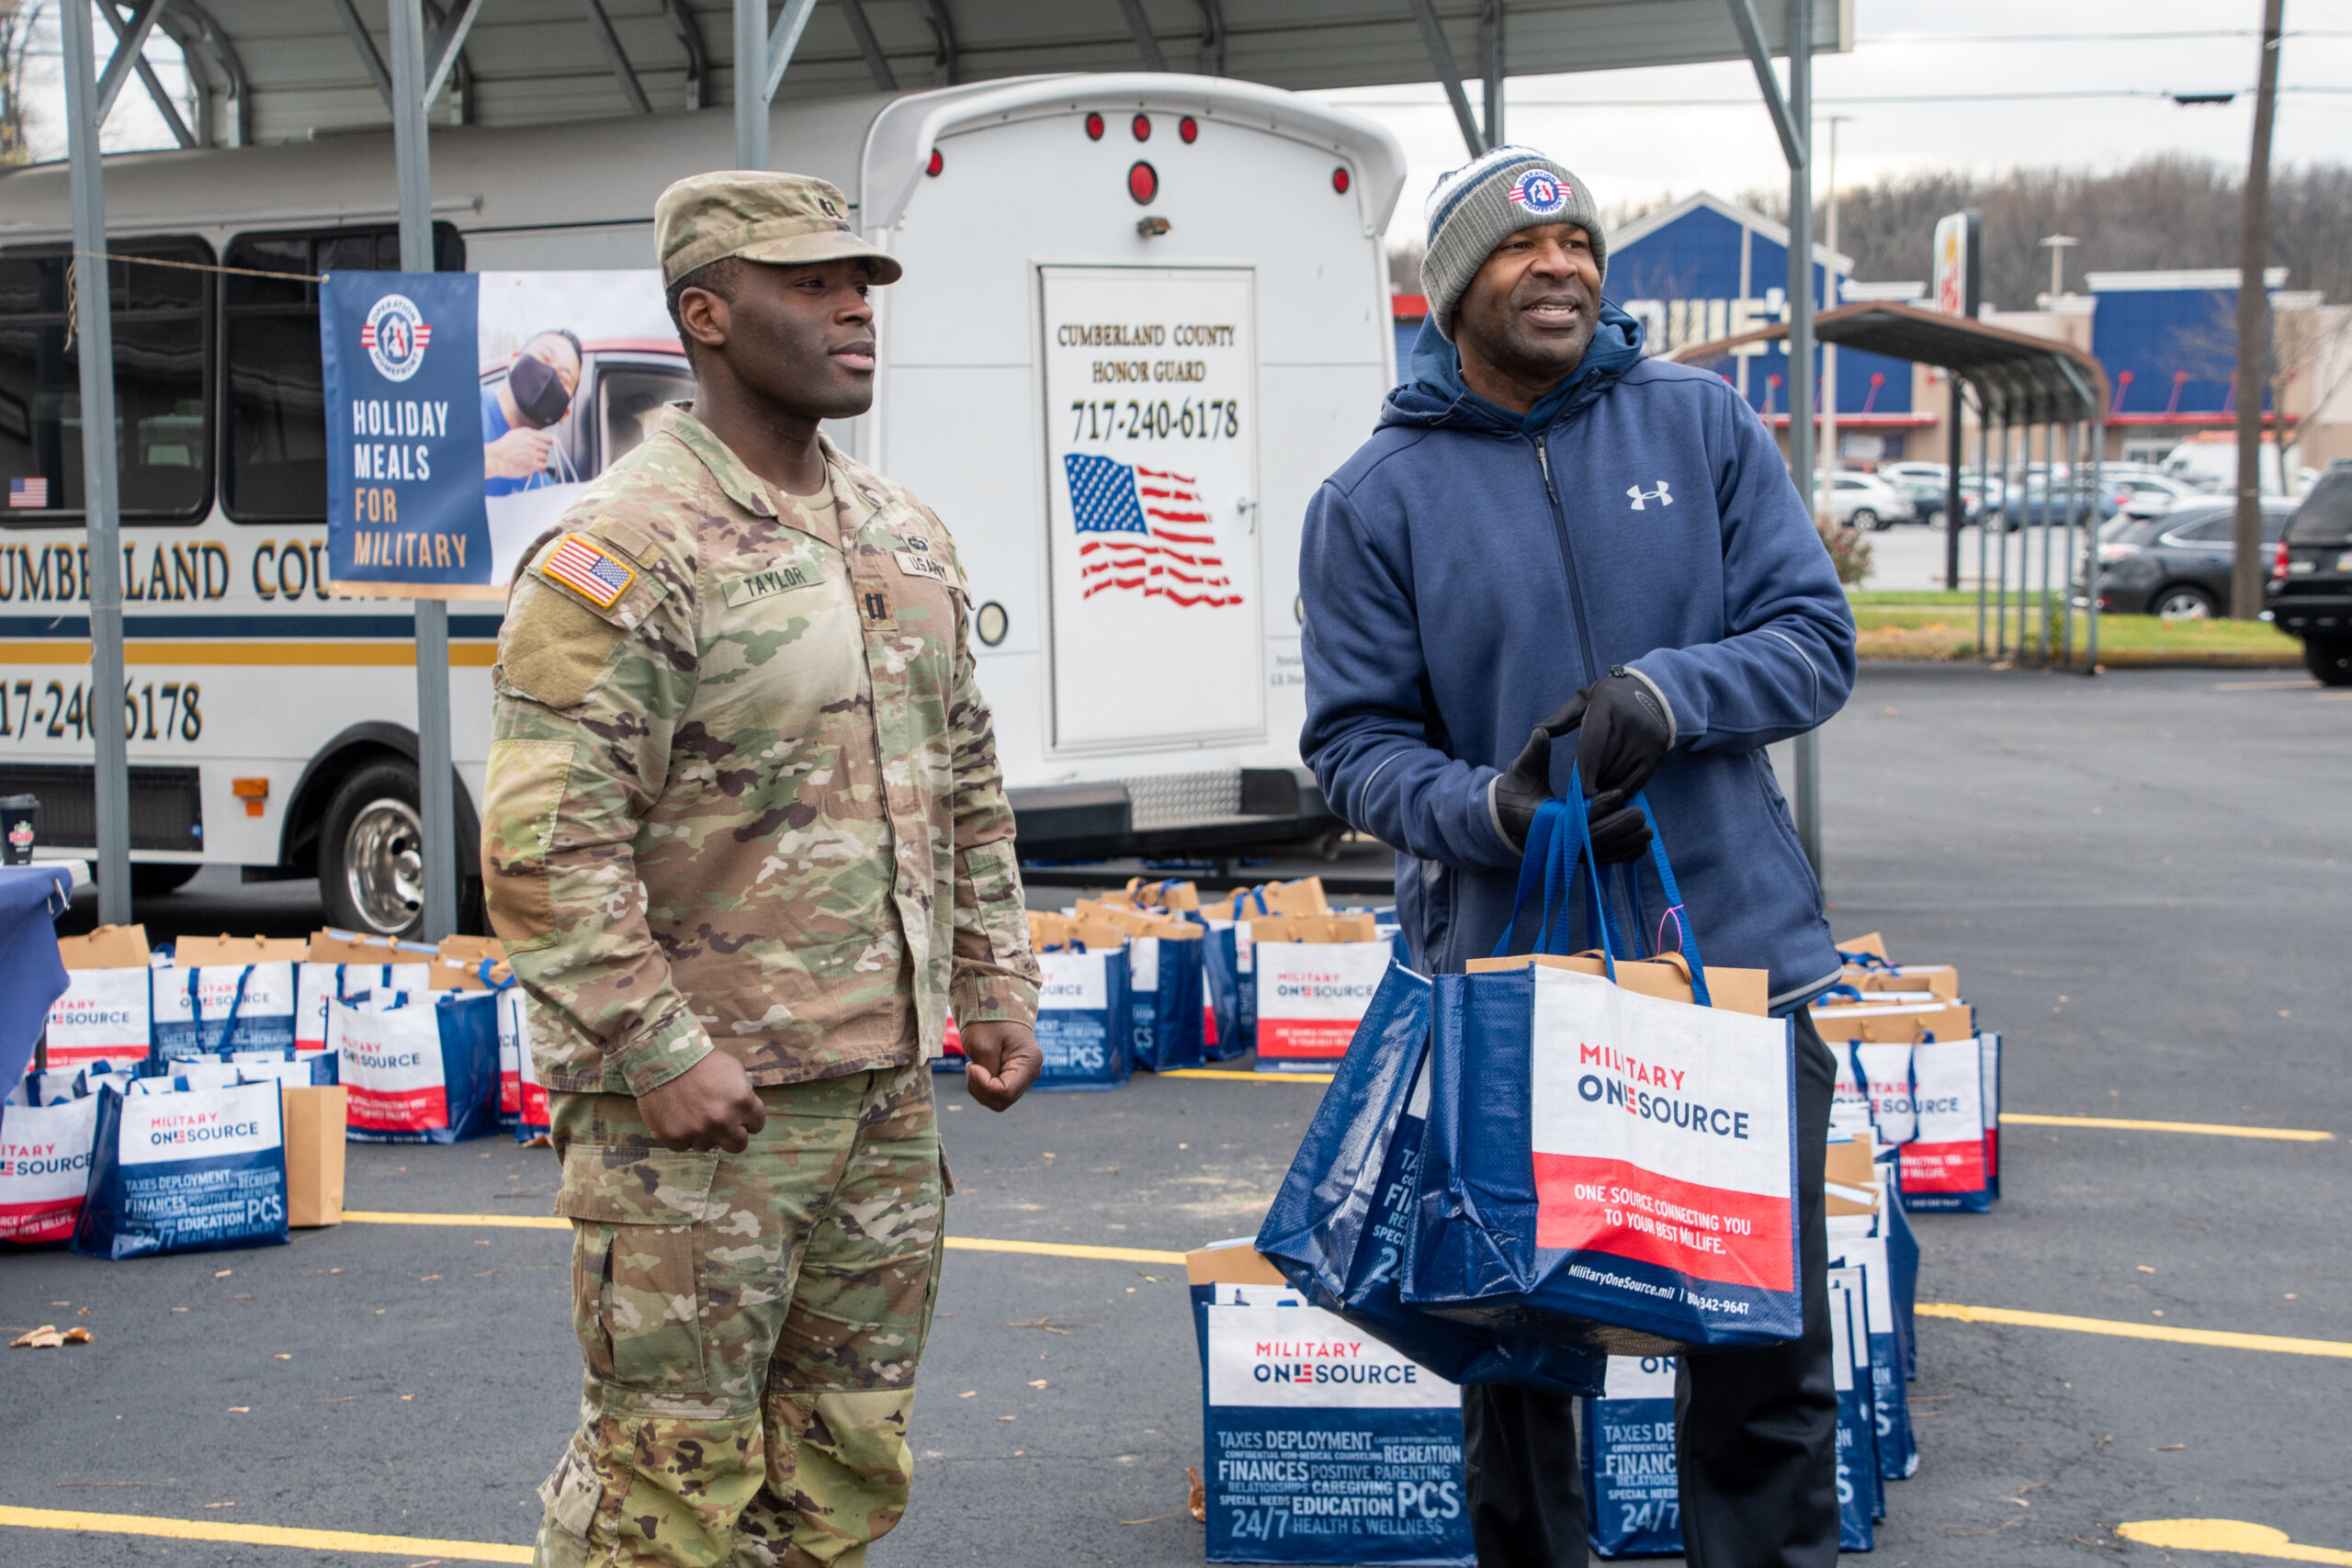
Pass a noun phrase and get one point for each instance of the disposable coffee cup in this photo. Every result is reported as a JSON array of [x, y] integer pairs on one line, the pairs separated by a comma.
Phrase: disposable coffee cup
[[19, 815]]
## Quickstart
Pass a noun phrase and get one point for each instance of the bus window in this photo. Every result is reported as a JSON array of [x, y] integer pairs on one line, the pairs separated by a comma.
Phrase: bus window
[[273, 454], [162, 417]]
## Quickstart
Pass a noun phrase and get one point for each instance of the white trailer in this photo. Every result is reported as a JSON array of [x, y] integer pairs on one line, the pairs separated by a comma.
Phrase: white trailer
[[1143, 317]]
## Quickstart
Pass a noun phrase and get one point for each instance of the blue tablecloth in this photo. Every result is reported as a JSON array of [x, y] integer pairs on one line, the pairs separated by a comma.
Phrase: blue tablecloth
[[31, 976]]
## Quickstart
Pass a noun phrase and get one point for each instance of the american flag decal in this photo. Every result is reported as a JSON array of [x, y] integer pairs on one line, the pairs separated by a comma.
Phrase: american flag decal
[[1144, 531], [32, 492], [596, 576]]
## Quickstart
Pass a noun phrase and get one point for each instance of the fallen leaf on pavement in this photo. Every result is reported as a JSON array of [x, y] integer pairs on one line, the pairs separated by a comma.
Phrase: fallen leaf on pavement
[[225, 1273], [970, 1394], [1197, 1505], [1045, 1324], [45, 1338], [77, 1336], [282, 1356], [241, 1410], [1036, 1382]]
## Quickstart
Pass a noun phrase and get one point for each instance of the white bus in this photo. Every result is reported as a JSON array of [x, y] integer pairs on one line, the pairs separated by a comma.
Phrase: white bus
[[1143, 317]]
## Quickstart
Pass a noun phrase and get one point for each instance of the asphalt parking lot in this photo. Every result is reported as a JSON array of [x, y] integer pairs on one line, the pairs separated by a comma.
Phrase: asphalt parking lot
[[2141, 878]]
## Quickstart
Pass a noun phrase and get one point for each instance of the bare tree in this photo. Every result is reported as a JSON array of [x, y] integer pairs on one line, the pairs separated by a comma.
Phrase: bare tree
[[17, 23], [2162, 212]]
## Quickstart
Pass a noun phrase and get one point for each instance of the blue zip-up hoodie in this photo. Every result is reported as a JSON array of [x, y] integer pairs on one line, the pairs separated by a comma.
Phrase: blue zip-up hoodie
[[1469, 569]]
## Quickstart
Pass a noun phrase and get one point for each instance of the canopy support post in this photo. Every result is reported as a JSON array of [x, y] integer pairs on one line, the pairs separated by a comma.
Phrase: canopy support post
[[1796, 116], [94, 326], [761, 56], [412, 73], [1449, 75]]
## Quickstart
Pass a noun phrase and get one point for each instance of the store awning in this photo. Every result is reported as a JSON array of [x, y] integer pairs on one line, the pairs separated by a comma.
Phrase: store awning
[[2018, 379]]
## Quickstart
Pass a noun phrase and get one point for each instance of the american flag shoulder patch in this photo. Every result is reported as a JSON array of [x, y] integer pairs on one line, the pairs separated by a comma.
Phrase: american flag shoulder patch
[[590, 570]]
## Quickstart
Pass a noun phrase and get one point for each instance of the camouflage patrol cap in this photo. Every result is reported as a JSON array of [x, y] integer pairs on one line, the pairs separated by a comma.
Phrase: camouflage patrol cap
[[761, 217]]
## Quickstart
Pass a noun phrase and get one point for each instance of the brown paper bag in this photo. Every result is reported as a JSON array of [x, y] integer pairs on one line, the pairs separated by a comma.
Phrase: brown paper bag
[[314, 1153], [1851, 1169], [108, 947], [331, 946], [196, 952], [1667, 978], [1178, 896], [1894, 1023], [457, 966]]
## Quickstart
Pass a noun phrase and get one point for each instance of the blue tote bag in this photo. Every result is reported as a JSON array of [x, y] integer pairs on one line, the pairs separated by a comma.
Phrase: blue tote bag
[[1613, 1167], [1339, 1224]]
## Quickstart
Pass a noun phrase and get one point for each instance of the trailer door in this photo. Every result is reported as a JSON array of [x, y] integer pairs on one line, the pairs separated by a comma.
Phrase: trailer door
[[1151, 485]]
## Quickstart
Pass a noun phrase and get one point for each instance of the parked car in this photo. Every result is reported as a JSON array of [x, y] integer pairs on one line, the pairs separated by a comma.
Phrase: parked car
[[2142, 495], [2310, 591], [2178, 565], [1865, 501]]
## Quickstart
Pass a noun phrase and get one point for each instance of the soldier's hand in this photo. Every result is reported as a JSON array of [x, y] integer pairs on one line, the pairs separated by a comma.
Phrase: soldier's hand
[[711, 1105], [1002, 1060]]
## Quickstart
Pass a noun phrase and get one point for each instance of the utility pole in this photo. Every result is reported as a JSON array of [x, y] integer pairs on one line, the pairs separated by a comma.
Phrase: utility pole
[[2254, 315], [2059, 247]]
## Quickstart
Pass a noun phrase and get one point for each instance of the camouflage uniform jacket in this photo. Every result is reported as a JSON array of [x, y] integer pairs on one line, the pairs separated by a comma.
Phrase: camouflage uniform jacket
[[742, 784]]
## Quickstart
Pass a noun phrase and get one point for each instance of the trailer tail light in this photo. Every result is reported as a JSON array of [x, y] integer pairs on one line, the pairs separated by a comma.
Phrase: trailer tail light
[[937, 164], [254, 792], [1340, 180], [1188, 129], [1143, 182], [1141, 125], [1094, 127]]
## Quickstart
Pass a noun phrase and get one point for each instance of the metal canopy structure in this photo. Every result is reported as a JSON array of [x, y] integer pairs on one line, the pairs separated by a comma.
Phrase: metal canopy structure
[[269, 70], [2017, 384], [265, 70]]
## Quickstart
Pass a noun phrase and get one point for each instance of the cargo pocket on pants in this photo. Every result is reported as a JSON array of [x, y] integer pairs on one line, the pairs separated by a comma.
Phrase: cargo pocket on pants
[[636, 1265]]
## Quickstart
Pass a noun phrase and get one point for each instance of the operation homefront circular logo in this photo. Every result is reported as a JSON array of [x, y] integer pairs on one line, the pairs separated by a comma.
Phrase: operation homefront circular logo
[[1539, 190], [395, 337]]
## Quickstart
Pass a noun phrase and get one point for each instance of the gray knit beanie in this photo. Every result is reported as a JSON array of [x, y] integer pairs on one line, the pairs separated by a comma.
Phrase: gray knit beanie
[[1475, 207]]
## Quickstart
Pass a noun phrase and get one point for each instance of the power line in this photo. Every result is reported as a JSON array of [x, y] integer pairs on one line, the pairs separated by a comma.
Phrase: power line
[[2153, 94], [2091, 38]]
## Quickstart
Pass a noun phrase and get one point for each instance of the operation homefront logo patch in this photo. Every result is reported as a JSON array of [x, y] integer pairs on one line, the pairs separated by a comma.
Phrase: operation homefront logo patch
[[1540, 190], [597, 575], [395, 337]]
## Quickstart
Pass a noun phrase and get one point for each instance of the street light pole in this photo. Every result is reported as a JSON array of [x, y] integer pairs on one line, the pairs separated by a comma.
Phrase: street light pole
[[2057, 245], [1827, 491], [2254, 313]]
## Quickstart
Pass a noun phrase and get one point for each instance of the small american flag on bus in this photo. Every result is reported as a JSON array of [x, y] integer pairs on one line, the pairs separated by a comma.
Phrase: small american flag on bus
[[28, 493], [1144, 531]]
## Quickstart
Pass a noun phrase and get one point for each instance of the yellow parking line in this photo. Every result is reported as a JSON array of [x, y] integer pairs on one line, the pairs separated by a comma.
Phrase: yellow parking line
[[2121, 1330], [1244, 1078], [2304, 685], [506, 1222], [2214, 1128], [409, 1546], [2226, 1535], [955, 1243], [1065, 1249]]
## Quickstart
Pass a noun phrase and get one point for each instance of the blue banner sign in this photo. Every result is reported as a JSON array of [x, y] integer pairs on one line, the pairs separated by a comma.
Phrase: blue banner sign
[[405, 506]]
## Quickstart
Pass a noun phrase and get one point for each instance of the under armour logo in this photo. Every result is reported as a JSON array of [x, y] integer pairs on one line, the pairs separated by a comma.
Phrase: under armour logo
[[1640, 495]]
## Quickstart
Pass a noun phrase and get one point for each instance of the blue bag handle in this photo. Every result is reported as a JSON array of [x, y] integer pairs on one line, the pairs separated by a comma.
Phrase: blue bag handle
[[1854, 1055], [488, 984], [1533, 870], [1866, 961], [1843, 991]]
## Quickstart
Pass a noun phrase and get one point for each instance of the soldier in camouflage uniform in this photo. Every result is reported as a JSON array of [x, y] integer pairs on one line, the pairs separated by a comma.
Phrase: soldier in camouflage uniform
[[746, 844]]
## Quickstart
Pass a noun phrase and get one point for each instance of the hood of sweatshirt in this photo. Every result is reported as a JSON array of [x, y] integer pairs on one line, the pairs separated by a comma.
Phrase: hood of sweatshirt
[[1434, 392]]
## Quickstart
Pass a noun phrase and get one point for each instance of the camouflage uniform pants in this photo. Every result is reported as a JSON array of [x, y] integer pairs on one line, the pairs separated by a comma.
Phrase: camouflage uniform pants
[[751, 1325]]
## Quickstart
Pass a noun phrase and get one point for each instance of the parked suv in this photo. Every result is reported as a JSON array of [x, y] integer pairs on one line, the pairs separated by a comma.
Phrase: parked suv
[[2309, 592], [2176, 565]]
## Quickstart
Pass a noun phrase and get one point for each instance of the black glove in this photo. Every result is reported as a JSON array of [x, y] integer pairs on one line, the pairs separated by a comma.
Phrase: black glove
[[1624, 732]]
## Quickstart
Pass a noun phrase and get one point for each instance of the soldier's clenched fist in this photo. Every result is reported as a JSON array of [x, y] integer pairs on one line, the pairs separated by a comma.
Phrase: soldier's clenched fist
[[711, 1105]]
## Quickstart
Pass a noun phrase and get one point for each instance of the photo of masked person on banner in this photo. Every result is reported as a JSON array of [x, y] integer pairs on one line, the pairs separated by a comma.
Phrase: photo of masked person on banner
[[570, 370], [520, 407]]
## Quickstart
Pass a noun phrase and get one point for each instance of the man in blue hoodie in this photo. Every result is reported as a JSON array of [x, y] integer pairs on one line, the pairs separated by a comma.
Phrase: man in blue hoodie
[[1554, 552]]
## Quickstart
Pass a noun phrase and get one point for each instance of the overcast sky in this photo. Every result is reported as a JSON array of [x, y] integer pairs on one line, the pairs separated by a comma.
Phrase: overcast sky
[[1635, 136], [1640, 137]]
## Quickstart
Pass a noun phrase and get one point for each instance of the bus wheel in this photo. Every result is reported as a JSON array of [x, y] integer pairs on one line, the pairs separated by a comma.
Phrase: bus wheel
[[152, 879], [371, 854]]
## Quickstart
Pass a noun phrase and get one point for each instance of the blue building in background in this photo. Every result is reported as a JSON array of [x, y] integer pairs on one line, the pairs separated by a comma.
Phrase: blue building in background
[[1703, 268]]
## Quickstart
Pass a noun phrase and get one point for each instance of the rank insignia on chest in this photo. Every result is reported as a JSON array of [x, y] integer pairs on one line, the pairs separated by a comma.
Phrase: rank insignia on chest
[[592, 572]]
